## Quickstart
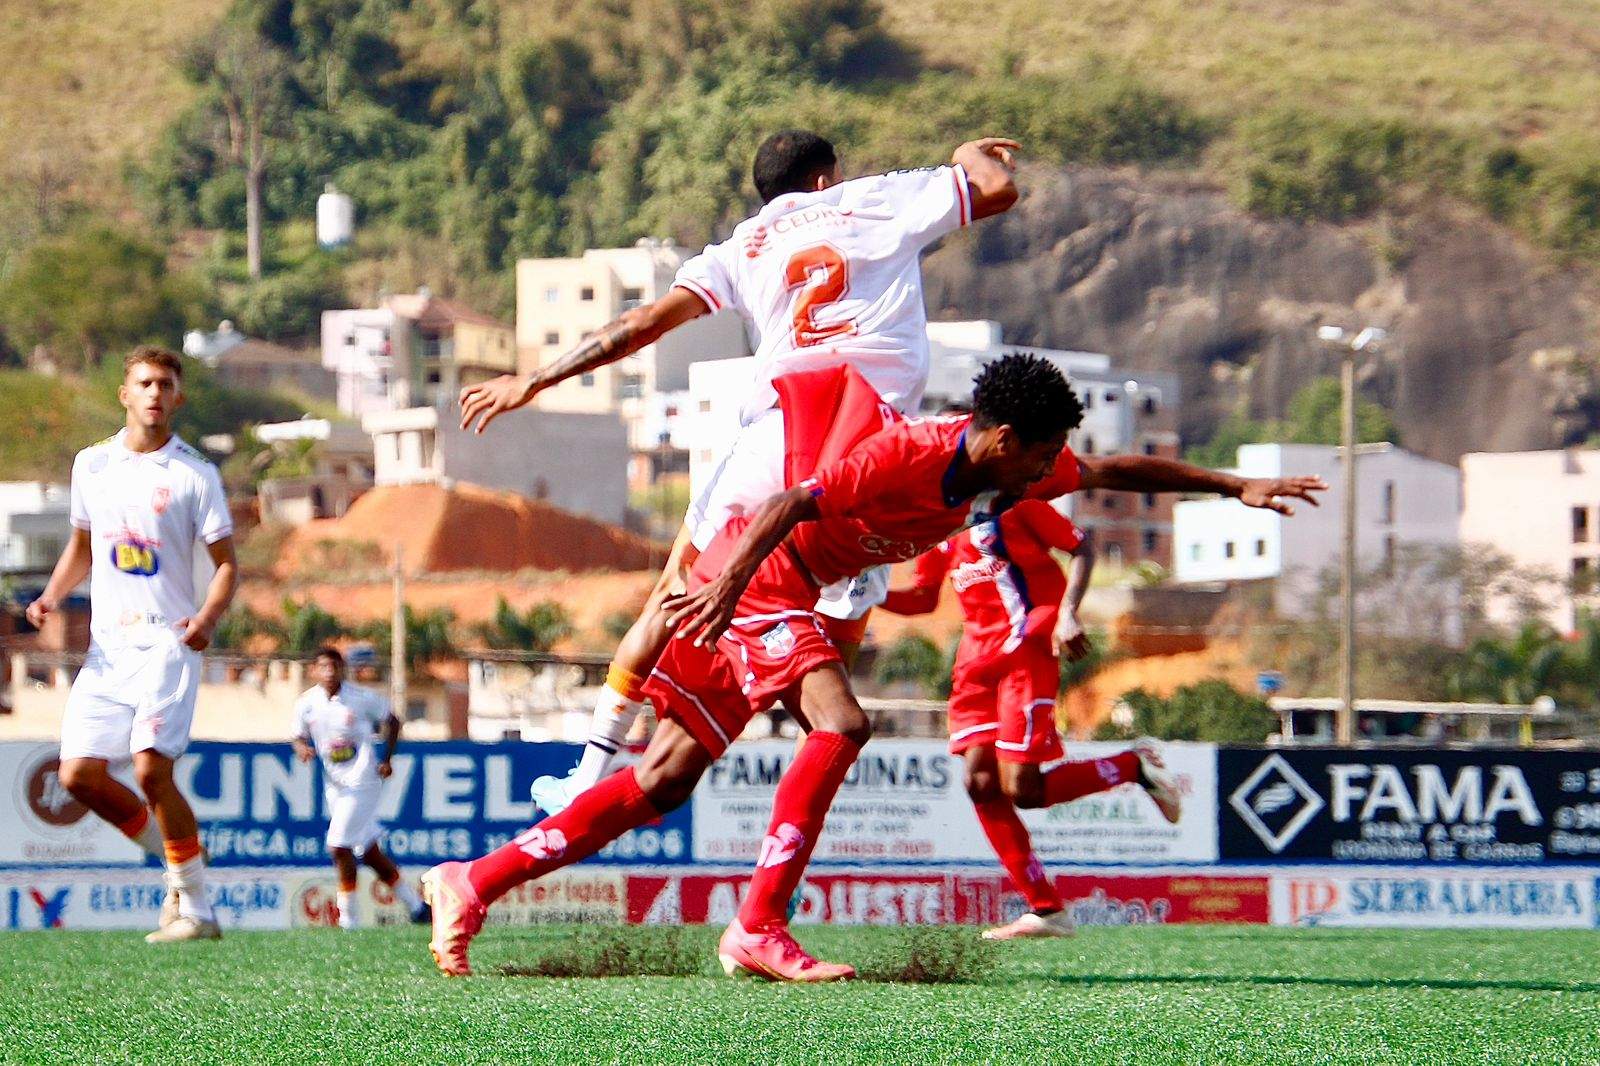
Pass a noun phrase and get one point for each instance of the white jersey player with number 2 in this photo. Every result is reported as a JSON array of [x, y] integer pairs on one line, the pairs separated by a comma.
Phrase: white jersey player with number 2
[[826, 273]]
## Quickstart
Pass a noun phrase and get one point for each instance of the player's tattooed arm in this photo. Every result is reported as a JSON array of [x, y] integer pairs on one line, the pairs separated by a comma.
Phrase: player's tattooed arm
[[705, 614], [1152, 473], [482, 403]]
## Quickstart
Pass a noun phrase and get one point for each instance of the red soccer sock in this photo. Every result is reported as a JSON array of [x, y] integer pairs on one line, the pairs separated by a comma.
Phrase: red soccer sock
[[1085, 777], [804, 795], [1010, 839], [596, 818]]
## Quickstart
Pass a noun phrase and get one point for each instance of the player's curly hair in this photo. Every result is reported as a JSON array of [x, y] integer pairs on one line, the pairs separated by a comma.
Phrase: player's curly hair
[[1027, 393]]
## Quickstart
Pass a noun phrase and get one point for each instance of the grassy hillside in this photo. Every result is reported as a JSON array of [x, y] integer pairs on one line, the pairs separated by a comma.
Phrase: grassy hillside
[[1529, 68], [90, 81]]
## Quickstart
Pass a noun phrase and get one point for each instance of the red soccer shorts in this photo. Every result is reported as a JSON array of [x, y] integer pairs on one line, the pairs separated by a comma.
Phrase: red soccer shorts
[[1017, 715], [775, 640]]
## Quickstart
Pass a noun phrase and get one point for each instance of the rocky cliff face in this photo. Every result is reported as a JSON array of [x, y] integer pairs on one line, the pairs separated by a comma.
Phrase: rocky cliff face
[[1492, 348]]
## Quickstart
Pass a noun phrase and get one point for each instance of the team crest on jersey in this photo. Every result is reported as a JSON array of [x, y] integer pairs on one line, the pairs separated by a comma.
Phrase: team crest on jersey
[[779, 640], [160, 500], [133, 554]]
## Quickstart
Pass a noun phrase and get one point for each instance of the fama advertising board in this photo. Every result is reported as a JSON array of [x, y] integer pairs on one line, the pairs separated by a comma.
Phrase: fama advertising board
[[1412, 808]]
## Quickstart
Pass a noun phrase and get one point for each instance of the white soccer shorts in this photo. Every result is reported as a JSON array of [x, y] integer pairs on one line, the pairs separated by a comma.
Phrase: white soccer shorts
[[132, 700], [353, 817]]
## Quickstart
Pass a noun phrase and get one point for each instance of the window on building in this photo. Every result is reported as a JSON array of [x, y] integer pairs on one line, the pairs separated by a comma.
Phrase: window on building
[[1149, 501], [1388, 503], [1583, 575], [1111, 396], [1194, 553], [1088, 444], [1149, 405], [1261, 547], [631, 386], [1580, 525], [586, 293], [705, 407], [1110, 502], [1148, 538], [632, 298], [1228, 549], [587, 381], [350, 340], [1088, 401], [552, 336], [1114, 555], [552, 296], [1149, 448]]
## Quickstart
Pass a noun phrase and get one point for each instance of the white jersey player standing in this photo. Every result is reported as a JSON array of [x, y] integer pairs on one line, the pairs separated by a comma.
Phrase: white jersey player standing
[[827, 272], [141, 500], [336, 722]]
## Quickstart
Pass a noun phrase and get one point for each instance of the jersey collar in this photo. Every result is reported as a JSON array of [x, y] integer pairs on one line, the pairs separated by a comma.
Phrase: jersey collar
[[161, 456]]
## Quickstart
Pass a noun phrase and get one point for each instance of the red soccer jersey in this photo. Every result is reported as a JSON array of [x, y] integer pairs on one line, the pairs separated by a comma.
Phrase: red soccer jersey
[[1002, 570], [889, 499]]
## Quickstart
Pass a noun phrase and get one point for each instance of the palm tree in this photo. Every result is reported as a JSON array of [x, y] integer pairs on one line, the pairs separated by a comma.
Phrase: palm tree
[[538, 629]]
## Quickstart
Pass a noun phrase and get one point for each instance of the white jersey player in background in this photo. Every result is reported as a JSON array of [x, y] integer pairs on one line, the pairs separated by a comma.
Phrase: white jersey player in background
[[140, 502], [828, 272], [336, 722]]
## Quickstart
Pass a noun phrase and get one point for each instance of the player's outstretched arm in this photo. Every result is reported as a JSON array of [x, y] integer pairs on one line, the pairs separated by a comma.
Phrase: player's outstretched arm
[[1151, 473], [922, 596], [71, 569], [1070, 638], [484, 402], [704, 615], [990, 163]]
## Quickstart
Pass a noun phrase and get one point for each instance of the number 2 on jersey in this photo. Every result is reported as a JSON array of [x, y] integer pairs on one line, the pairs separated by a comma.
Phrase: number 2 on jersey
[[822, 270]]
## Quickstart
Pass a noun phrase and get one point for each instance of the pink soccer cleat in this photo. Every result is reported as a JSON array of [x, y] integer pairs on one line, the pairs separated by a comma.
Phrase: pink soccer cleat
[[1158, 780], [775, 956], [457, 916], [1031, 925]]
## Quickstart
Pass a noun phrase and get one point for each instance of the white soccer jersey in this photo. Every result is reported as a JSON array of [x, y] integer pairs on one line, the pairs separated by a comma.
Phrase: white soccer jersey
[[341, 728], [144, 512], [830, 277]]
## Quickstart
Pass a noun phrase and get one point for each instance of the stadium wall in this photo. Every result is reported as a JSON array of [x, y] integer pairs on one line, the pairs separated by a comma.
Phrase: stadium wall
[[1503, 838]]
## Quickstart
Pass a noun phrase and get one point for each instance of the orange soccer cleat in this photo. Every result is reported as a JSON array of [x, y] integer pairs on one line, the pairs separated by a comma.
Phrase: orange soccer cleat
[[776, 956], [457, 916]]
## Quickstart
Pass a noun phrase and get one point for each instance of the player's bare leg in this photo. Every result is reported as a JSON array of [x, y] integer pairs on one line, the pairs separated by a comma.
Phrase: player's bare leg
[[344, 864], [461, 892], [1045, 916], [383, 866], [186, 863], [91, 784], [622, 696], [758, 942], [1030, 786]]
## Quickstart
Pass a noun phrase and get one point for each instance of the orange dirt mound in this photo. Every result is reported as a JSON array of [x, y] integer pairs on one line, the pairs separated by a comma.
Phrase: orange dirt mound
[[464, 527]]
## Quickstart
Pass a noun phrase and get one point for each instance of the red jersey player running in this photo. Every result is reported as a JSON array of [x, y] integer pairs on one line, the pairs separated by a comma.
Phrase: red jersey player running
[[1020, 616], [757, 638]]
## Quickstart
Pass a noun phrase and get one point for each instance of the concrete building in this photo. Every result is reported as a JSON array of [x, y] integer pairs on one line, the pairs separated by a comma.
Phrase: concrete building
[[1122, 413], [414, 349], [559, 301], [1404, 500], [341, 468], [33, 529], [576, 461], [1542, 509], [243, 362]]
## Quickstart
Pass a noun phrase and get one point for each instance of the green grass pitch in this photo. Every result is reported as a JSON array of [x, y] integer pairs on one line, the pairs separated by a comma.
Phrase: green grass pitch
[[1114, 995]]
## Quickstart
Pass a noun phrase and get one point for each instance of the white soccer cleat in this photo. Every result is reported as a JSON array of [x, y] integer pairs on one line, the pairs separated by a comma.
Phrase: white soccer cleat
[[1157, 780], [185, 928], [1031, 925], [553, 795]]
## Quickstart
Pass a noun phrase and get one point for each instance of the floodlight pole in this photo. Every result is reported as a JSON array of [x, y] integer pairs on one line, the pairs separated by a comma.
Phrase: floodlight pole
[[397, 638], [1347, 579]]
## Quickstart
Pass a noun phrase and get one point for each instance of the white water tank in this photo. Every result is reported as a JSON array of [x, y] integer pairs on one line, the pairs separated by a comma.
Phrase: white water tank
[[336, 218]]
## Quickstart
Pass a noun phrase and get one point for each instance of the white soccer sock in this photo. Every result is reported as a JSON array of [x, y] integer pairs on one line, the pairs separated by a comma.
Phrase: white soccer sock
[[189, 878], [614, 715], [149, 838], [347, 909], [406, 894]]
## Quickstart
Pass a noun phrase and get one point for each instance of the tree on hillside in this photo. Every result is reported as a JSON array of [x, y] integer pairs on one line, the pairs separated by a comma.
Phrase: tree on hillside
[[250, 83], [1314, 416], [537, 629], [92, 291]]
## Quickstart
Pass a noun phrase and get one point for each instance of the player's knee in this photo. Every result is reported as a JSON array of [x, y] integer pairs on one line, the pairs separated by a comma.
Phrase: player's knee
[[154, 778], [667, 777], [667, 792], [82, 777], [1026, 793], [343, 854], [983, 786]]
